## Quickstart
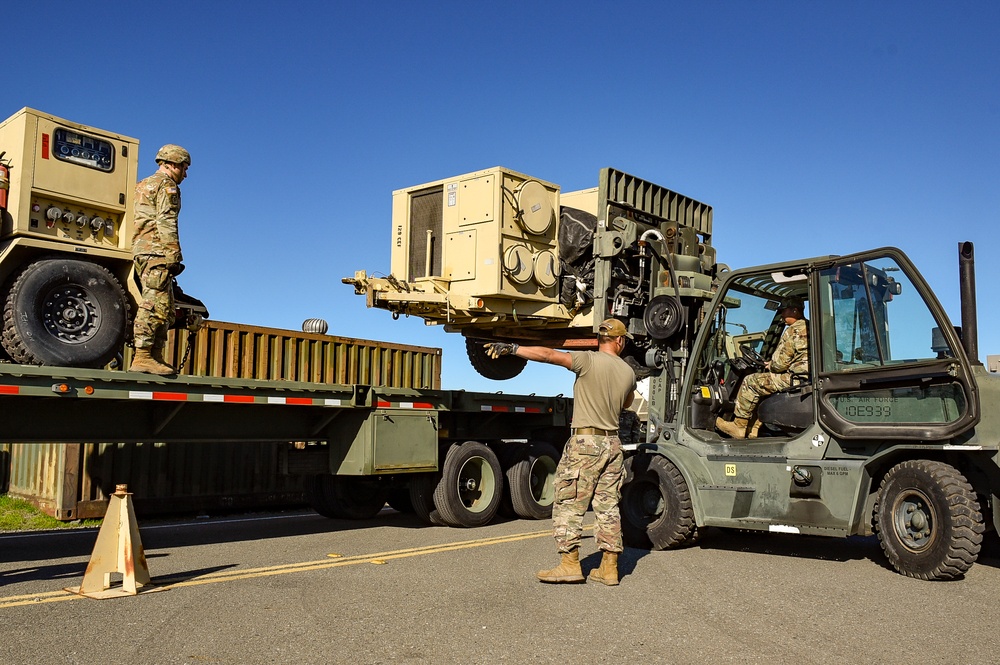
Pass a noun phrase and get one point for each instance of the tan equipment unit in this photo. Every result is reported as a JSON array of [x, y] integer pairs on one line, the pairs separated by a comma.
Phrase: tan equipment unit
[[476, 247], [69, 184], [66, 241]]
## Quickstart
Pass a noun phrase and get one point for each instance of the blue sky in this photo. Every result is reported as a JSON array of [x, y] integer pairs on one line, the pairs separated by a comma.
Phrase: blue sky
[[811, 128]]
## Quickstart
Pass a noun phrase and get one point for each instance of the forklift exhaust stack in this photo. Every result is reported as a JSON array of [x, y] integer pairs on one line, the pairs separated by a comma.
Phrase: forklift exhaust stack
[[967, 290]]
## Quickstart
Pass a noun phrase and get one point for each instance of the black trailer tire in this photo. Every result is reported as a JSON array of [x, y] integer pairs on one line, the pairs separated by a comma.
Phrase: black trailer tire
[[531, 481], [499, 369], [656, 508], [928, 520], [65, 313], [422, 498], [471, 485], [345, 497], [399, 500]]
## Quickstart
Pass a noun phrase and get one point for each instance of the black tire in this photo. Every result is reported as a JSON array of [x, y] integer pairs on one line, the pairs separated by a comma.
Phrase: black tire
[[345, 497], [508, 454], [65, 313], [656, 509], [499, 369], [422, 498], [928, 520], [471, 485], [531, 482], [399, 500]]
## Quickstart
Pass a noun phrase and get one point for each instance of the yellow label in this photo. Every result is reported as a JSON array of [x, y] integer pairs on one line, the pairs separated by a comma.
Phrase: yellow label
[[730, 469], [706, 393]]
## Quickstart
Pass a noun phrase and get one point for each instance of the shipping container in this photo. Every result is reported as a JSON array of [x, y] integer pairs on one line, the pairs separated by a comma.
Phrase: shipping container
[[74, 481]]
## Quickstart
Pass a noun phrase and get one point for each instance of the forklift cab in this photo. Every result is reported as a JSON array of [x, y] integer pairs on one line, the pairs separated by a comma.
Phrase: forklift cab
[[866, 378]]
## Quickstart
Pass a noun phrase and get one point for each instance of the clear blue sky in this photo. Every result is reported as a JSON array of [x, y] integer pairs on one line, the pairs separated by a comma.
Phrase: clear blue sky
[[811, 127]]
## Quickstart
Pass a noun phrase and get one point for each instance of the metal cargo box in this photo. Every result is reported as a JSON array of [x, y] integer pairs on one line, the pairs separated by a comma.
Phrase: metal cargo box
[[74, 481]]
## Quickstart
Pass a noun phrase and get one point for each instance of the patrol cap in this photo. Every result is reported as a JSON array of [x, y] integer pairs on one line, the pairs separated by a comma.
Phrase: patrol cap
[[613, 328], [173, 154]]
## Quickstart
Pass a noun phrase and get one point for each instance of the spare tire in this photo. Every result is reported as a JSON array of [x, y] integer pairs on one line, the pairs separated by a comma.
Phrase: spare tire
[[499, 369], [66, 313]]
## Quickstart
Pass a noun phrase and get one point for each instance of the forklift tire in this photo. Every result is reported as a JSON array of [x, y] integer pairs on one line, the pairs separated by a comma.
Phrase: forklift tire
[[64, 313], [928, 520], [656, 510], [471, 485]]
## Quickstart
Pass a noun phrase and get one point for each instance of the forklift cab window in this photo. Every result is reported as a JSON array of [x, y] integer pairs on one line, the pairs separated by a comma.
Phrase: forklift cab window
[[886, 360]]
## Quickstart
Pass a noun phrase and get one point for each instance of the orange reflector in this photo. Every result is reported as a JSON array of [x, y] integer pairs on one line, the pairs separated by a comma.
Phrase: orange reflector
[[89, 390]]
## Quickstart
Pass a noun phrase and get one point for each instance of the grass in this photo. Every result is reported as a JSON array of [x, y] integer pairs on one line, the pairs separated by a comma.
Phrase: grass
[[20, 515]]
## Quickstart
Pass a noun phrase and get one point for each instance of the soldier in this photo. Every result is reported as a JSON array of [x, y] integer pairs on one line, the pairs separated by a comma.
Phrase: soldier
[[592, 466], [156, 253], [790, 357]]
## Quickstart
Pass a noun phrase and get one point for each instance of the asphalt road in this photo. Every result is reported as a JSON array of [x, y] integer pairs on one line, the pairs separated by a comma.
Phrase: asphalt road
[[299, 588]]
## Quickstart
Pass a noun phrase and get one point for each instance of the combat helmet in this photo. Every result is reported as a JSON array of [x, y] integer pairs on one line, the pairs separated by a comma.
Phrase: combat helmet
[[173, 154]]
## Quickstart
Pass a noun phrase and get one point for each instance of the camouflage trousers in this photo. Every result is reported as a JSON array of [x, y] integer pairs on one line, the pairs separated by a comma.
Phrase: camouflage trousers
[[756, 386], [156, 309], [591, 468]]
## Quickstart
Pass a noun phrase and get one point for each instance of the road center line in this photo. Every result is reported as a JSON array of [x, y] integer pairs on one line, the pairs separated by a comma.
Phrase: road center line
[[166, 583]]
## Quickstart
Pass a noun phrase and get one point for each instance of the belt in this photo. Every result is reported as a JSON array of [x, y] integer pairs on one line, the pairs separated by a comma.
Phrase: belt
[[594, 430]]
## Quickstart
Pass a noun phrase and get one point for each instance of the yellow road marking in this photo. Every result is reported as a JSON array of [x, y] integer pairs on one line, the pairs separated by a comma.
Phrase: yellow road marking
[[165, 583]]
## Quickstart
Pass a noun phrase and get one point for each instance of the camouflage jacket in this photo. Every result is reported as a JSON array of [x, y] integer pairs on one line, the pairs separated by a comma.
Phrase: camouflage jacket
[[157, 205], [792, 354]]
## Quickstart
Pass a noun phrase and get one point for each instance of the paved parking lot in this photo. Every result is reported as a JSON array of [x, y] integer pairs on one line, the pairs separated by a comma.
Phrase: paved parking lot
[[298, 588]]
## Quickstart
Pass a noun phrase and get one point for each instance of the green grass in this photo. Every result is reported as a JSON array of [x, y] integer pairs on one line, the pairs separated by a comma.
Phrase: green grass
[[20, 515]]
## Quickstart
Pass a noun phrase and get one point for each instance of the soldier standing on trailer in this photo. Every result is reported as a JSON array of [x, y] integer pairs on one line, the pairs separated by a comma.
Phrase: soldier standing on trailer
[[592, 465], [156, 253]]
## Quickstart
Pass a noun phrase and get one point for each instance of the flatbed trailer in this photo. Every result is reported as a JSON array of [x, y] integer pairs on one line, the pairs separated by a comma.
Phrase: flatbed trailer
[[447, 455]]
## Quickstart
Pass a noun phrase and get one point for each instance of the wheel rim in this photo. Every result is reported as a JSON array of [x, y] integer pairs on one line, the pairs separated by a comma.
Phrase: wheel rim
[[542, 480], [914, 519], [70, 314], [644, 502], [476, 484]]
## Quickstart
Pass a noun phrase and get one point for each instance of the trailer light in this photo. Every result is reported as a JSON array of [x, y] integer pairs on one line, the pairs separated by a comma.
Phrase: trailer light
[[89, 390], [60, 388]]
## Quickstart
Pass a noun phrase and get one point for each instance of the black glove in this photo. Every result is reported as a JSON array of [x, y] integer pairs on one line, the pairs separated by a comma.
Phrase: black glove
[[496, 349], [175, 268]]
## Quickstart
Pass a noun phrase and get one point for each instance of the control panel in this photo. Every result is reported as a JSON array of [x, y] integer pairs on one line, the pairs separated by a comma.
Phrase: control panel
[[68, 182]]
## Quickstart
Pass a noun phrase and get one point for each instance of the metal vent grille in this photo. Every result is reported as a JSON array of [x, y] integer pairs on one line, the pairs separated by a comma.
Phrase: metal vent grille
[[646, 197], [425, 214]]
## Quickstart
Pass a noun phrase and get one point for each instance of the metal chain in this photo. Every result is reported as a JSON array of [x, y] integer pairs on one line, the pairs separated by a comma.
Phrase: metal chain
[[187, 351]]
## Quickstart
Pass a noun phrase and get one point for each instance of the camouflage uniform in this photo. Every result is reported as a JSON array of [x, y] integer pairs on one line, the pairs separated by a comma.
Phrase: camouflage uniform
[[791, 357], [591, 466], [155, 249]]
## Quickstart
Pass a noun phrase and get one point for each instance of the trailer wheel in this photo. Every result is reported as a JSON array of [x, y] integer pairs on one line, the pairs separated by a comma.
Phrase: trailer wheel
[[399, 500], [422, 498], [531, 481], [471, 485], [499, 369], [65, 313], [345, 497], [928, 520], [656, 508]]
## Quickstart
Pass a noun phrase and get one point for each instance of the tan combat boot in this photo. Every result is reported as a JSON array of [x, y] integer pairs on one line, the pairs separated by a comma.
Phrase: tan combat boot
[[607, 573], [754, 429], [157, 354], [737, 429], [568, 570], [143, 361]]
